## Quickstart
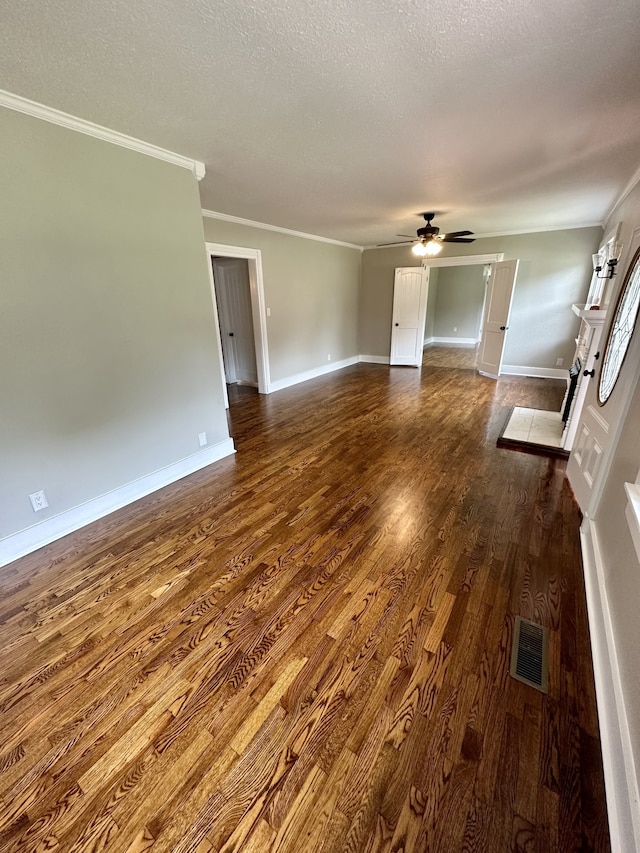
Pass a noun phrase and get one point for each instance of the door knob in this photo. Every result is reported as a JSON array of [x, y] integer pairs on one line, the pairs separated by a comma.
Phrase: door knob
[[589, 373], [230, 334], [503, 328], [396, 324]]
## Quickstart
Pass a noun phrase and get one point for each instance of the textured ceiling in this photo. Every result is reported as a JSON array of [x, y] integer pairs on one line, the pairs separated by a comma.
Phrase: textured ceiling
[[345, 119]]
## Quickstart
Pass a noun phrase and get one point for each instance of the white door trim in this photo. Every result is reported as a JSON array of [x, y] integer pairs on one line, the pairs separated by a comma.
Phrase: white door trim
[[258, 309], [621, 785]]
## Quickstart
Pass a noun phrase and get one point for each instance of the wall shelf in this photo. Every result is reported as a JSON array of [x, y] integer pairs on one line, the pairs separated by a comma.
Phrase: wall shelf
[[594, 317]]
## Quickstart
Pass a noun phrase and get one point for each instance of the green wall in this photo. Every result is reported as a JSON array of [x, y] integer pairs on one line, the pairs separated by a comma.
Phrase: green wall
[[109, 362], [311, 290], [555, 270], [432, 301], [459, 303]]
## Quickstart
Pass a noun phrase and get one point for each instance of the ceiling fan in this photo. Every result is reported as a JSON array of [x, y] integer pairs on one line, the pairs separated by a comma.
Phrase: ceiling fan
[[429, 240]]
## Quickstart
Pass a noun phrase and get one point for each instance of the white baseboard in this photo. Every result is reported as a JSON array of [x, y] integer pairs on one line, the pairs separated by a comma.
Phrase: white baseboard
[[535, 372], [374, 359], [621, 784], [451, 342], [28, 540], [279, 384]]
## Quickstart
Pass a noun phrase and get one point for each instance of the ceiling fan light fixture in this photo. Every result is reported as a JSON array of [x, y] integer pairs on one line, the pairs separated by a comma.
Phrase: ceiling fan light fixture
[[430, 239]]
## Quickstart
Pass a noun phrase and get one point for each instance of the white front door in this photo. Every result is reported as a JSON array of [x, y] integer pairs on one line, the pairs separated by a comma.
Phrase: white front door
[[597, 434], [496, 316], [599, 427], [233, 293], [586, 462], [410, 290]]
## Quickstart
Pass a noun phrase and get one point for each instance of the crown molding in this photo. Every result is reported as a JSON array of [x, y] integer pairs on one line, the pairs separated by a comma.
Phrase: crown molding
[[635, 178], [514, 233], [546, 228], [237, 220], [80, 125]]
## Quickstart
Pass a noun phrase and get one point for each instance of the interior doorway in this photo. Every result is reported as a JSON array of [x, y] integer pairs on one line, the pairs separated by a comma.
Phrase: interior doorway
[[237, 293], [456, 308], [233, 299]]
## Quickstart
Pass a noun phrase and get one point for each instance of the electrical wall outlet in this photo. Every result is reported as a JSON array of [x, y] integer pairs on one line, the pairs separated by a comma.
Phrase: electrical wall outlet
[[455, 328], [328, 356], [268, 312], [559, 362], [38, 501], [202, 438]]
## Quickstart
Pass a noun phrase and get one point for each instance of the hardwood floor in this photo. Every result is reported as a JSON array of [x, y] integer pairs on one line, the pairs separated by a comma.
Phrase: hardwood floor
[[305, 647], [463, 357]]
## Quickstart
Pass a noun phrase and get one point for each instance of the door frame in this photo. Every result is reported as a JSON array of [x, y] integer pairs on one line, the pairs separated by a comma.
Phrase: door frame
[[258, 310], [467, 261]]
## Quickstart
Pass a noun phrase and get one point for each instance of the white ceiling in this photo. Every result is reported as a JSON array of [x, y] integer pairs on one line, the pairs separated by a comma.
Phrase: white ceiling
[[345, 118]]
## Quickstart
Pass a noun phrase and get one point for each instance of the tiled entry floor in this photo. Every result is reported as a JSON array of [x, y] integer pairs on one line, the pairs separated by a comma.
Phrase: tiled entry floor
[[533, 428]]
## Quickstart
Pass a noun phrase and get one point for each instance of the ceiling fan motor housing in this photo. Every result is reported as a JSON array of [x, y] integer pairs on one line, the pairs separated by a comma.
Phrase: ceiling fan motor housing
[[428, 231]]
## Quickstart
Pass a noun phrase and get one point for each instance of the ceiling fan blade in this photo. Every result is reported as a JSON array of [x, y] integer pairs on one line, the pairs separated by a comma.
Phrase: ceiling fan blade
[[410, 236], [458, 234], [448, 239], [397, 243]]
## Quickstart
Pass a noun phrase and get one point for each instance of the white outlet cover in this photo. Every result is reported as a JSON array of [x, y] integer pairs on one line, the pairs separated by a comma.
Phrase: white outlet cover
[[202, 438], [38, 501]]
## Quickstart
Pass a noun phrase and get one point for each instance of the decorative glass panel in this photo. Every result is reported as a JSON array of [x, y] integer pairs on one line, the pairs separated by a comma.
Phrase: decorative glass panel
[[622, 327]]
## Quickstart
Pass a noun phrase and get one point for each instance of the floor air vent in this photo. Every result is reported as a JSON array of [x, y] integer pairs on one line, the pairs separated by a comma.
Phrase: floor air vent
[[529, 654]]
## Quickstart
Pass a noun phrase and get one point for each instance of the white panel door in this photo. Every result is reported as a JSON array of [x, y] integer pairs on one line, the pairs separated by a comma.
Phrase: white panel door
[[226, 339], [597, 433], [496, 316], [584, 468], [599, 427], [236, 321], [410, 290]]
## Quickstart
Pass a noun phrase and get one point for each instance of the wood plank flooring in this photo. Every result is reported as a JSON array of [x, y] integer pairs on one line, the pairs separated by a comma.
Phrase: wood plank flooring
[[305, 647]]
